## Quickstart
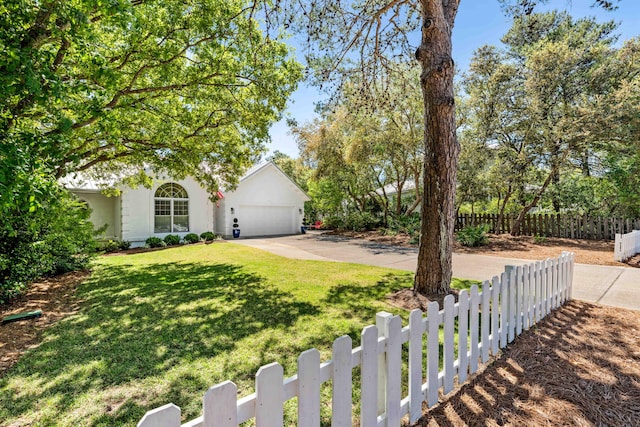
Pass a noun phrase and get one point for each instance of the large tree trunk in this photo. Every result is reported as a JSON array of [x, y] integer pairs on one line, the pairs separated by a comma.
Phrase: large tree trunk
[[433, 275]]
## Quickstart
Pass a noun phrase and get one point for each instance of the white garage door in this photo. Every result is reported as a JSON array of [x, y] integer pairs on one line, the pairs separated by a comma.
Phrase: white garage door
[[258, 220]]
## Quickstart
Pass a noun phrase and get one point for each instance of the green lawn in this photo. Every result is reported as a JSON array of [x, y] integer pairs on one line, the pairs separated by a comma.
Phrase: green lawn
[[163, 326]]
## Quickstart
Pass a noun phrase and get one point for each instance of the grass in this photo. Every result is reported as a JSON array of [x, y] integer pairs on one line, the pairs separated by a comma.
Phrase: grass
[[162, 327]]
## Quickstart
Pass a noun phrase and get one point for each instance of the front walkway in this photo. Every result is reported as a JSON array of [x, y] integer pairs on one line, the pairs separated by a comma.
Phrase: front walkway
[[614, 286]]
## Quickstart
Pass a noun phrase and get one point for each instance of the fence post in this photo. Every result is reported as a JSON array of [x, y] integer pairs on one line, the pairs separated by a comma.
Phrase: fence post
[[164, 416], [617, 249], [381, 323]]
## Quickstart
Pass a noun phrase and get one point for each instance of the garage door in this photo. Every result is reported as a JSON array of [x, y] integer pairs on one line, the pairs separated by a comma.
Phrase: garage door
[[258, 220]]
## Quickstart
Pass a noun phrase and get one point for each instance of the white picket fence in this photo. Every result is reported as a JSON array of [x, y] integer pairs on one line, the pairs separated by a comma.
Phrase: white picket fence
[[627, 245], [487, 321]]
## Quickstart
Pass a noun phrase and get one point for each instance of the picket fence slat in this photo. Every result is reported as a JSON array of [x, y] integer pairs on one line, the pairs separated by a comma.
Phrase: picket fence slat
[[219, 405], [449, 336], [416, 330], [309, 388], [504, 309], [515, 304], [394, 371], [342, 382], [164, 416], [495, 319], [433, 350], [463, 335], [539, 289], [382, 324], [487, 321], [369, 377], [269, 396], [474, 324], [519, 290]]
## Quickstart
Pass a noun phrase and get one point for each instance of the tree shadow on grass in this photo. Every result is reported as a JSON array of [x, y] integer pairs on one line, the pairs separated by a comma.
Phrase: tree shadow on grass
[[138, 323], [356, 299]]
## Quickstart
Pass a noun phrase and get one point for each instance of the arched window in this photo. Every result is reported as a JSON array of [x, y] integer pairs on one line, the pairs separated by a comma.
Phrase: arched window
[[171, 209]]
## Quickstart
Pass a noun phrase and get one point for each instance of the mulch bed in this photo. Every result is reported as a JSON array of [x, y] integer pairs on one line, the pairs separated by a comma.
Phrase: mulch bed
[[55, 297], [580, 366]]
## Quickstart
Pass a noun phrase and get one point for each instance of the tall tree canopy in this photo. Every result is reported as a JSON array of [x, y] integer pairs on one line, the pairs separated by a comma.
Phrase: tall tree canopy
[[186, 87], [552, 108]]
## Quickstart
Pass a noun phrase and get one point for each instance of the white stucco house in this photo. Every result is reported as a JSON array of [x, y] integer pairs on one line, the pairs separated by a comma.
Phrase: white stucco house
[[265, 202]]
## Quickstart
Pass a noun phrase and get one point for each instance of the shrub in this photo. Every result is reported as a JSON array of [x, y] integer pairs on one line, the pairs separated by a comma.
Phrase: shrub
[[407, 224], [124, 244], [109, 246], [361, 221], [333, 222], [44, 233], [539, 239], [172, 239], [191, 238], [155, 242], [473, 236], [208, 236]]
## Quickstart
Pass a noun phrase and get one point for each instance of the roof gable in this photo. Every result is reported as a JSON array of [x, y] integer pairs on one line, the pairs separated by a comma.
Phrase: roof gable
[[261, 168]]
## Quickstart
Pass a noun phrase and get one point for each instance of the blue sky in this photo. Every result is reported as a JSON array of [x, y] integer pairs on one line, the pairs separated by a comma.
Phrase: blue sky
[[479, 22]]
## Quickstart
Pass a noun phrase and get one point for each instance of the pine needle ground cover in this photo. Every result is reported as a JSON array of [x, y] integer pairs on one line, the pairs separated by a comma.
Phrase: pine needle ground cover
[[162, 327]]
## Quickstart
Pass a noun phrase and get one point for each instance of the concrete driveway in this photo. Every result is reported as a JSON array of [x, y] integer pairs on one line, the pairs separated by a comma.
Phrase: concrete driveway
[[615, 286]]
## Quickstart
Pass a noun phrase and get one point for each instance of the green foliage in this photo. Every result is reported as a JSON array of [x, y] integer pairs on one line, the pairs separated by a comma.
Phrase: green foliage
[[172, 86], [109, 246], [359, 147], [407, 224], [624, 174], [568, 80], [333, 222], [208, 236], [191, 238], [155, 242], [124, 244], [473, 235], [172, 239], [539, 239], [361, 221], [354, 221], [47, 235]]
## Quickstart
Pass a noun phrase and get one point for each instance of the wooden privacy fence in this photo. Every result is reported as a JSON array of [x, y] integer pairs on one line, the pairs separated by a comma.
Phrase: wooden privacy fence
[[627, 245], [553, 225], [487, 321]]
